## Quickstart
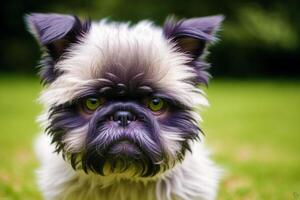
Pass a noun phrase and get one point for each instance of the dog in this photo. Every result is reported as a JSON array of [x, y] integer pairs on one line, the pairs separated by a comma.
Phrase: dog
[[120, 103]]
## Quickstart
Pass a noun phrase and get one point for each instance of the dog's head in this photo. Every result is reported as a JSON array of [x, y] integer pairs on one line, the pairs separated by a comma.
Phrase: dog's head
[[120, 97]]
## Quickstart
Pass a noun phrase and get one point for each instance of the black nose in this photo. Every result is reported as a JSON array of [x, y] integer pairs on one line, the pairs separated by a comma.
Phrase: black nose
[[123, 117]]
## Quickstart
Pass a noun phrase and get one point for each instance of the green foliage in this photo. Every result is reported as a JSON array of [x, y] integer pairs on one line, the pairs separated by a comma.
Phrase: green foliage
[[254, 25], [251, 126], [258, 38]]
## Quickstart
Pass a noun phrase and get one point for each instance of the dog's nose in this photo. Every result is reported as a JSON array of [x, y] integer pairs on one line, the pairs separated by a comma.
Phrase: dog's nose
[[123, 117]]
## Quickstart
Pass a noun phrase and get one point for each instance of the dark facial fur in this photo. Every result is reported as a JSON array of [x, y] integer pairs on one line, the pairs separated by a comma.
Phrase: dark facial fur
[[145, 150]]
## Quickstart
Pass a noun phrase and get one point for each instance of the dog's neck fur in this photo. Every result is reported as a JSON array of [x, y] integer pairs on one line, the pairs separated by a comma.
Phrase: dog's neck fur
[[195, 178]]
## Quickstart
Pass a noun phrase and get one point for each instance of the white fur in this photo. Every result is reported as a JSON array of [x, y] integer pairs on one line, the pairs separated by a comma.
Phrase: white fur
[[195, 178], [122, 43]]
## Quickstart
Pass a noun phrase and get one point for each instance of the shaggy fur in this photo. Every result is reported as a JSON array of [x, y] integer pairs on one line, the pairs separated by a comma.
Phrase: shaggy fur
[[153, 156]]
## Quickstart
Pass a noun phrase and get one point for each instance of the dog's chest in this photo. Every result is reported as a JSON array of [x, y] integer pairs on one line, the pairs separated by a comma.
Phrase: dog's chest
[[89, 190]]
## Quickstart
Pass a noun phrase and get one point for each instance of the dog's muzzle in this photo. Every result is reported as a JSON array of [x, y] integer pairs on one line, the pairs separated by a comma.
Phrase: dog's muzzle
[[123, 136]]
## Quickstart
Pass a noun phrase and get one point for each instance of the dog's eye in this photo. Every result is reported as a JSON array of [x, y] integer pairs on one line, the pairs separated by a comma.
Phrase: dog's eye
[[155, 104], [92, 103]]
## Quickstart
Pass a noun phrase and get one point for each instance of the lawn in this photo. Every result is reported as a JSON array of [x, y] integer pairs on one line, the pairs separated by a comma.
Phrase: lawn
[[252, 127]]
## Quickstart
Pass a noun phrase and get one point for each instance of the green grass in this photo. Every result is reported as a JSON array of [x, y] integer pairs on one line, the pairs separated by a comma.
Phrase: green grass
[[253, 128], [18, 111]]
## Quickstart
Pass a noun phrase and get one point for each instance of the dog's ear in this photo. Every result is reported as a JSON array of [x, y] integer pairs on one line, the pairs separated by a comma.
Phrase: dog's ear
[[55, 33], [192, 35]]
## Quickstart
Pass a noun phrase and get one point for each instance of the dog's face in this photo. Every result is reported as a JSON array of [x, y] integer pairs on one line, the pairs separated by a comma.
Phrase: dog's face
[[120, 98]]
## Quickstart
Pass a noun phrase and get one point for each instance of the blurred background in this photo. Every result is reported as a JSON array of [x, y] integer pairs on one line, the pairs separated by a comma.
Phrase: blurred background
[[259, 38], [252, 125]]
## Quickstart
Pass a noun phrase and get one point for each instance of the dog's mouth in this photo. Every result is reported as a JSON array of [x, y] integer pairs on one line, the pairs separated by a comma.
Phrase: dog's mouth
[[124, 147], [125, 154]]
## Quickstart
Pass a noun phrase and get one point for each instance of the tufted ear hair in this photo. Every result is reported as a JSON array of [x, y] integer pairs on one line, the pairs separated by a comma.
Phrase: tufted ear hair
[[55, 33], [192, 35]]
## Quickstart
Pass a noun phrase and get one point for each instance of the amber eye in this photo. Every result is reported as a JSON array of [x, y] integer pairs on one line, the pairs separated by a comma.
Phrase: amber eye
[[92, 103], [156, 104]]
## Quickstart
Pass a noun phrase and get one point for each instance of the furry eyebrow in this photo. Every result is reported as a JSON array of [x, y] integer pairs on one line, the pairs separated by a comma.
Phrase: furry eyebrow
[[172, 100], [114, 91], [139, 93]]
